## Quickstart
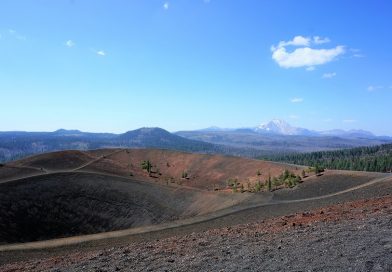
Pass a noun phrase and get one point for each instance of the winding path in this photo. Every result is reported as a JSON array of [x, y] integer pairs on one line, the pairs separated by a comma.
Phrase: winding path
[[171, 225]]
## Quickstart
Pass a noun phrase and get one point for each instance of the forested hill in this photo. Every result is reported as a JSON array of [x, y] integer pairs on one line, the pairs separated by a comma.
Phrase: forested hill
[[16, 145], [371, 158]]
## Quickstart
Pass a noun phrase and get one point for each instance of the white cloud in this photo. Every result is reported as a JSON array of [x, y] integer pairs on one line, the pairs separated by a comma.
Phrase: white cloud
[[296, 41], [16, 35], [348, 121], [304, 56], [356, 53], [372, 88], [310, 68], [329, 75], [101, 53], [319, 40], [296, 100], [70, 43], [166, 5]]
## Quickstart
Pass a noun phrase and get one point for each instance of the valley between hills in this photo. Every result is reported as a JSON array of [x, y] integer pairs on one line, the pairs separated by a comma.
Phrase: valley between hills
[[167, 210]]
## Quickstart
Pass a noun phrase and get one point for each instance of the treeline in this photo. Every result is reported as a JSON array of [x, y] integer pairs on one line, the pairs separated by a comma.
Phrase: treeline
[[371, 158], [16, 145]]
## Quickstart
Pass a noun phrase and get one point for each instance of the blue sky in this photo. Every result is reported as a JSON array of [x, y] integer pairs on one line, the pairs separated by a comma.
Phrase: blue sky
[[113, 66]]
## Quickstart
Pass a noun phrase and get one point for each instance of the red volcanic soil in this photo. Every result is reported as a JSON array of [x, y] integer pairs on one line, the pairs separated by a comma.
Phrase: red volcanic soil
[[105, 190], [208, 172], [350, 236], [55, 161], [203, 171]]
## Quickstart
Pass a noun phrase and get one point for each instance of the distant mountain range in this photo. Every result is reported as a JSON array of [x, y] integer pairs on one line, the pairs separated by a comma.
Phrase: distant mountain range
[[281, 127], [279, 137], [17, 144], [275, 137]]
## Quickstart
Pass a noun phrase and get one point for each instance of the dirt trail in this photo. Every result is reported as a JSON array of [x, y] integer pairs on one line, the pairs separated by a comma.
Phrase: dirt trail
[[178, 223], [43, 171], [96, 160]]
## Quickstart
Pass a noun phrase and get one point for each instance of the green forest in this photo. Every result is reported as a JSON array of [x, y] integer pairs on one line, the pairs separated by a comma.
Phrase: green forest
[[371, 158]]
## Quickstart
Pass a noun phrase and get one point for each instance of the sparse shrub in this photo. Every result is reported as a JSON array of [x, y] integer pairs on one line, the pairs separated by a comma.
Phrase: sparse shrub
[[275, 182], [231, 182], [258, 173], [234, 187], [318, 170], [287, 178], [184, 175], [257, 186]]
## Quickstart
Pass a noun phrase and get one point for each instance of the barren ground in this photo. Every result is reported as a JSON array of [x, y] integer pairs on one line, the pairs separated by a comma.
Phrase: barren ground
[[338, 221], [355, 236]]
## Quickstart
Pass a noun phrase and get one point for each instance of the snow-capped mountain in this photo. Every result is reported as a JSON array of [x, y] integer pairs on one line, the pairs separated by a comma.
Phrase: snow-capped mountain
[[277, 126], [281, 127]]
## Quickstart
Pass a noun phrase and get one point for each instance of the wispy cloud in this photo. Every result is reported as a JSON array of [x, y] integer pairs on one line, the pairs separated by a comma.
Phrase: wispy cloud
[[296, 41], [296, 100], [319, 40], [101, 53], [328, 120], [310, 68], [372, 88], [16, 35], [358, 56], [348, 121], [69, 43], [294, 117], [356, 53], [329, 75], [166, 5], [305, 56]]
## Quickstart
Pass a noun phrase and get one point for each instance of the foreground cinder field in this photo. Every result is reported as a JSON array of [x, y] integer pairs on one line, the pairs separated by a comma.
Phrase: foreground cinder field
[[166, 222]]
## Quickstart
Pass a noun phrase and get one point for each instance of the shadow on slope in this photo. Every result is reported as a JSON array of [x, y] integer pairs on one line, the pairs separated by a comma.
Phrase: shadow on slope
[[68, 204]]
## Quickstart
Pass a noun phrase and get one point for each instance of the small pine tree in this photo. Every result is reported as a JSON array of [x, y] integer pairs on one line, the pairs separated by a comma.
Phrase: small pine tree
[[234, 187], [146, 165], [269, 183], [184, 174]]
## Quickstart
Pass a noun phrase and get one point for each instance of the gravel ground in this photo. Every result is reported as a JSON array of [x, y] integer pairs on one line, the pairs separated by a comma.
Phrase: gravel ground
[[354, 236]]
